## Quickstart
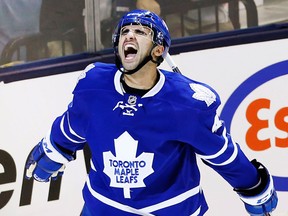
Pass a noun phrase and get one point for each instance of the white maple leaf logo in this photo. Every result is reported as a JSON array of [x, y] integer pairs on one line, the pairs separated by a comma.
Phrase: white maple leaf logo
[[203, 93], [125, 170], [83, 73]]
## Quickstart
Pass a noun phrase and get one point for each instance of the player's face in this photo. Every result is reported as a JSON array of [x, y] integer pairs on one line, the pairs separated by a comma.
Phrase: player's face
[[135, 43]]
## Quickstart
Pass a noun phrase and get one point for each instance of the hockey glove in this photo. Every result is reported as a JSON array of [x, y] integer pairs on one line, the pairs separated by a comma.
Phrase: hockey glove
[[46, 161], [261, 199]]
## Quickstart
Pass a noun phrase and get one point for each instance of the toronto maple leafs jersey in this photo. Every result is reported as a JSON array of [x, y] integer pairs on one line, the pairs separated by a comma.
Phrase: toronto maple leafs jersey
[[144, 148]]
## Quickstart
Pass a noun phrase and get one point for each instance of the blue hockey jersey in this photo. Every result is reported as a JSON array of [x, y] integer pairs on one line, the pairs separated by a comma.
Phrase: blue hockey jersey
[[144, 149]]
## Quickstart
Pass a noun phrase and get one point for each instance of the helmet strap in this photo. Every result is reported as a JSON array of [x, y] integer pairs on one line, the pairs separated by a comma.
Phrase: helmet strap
[[158, 61]]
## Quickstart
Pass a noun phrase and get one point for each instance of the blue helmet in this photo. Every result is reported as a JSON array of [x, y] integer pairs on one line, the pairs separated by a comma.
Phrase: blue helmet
[[145, 18]]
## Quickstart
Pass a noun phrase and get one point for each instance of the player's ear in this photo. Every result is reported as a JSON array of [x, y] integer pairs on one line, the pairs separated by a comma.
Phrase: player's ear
[[158, 50]]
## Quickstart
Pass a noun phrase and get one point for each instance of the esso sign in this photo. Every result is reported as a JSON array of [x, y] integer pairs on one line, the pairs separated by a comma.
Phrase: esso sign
[[280, 122], [256, 114]]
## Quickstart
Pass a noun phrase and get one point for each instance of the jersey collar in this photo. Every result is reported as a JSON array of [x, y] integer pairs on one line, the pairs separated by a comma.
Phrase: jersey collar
[[151, 93]]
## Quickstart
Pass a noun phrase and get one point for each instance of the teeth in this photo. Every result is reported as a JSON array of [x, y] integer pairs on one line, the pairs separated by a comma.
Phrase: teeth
[[129, 46]]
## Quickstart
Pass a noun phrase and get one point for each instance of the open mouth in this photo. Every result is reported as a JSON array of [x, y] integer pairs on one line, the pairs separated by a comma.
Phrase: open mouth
[[130, 51]]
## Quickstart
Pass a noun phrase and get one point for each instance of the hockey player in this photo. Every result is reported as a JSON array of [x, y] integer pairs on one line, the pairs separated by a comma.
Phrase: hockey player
[[145, 127]]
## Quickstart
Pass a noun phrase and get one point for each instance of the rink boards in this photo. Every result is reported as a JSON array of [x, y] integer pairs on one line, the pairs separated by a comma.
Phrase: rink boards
[[251, 80]]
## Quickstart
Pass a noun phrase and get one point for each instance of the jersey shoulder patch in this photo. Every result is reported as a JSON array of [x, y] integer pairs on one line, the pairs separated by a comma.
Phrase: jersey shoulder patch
[[95, 76], [203, 93], [97, 69], [190, 93], [83, 73]]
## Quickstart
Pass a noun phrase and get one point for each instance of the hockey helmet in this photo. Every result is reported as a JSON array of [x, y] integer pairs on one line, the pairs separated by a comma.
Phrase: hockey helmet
[[161, 35]]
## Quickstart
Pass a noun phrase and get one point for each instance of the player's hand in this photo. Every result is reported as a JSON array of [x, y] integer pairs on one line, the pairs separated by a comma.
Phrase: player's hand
[[41, 167], [261, 199], [47, 159], [150, 5], [265, 208]]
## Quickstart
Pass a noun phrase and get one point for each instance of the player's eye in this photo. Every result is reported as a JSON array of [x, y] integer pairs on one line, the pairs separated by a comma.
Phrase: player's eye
[[140, 32], [124, 31]]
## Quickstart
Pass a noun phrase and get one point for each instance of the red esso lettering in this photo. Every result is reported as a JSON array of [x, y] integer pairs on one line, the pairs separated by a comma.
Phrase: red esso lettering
[[281, 124], [259, 124]]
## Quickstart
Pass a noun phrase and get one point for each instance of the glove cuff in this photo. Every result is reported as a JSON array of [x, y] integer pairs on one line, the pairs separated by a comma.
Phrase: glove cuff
[[53, 152], [262, 191], [260, 198]]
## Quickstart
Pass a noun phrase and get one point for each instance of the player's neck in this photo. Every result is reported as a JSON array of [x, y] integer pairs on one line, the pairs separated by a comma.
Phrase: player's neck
[[143, 79], [136, 91]]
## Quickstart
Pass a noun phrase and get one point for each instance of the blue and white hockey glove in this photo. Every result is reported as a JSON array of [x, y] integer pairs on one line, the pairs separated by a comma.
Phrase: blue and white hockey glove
[[46, 161], [261, 199]]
